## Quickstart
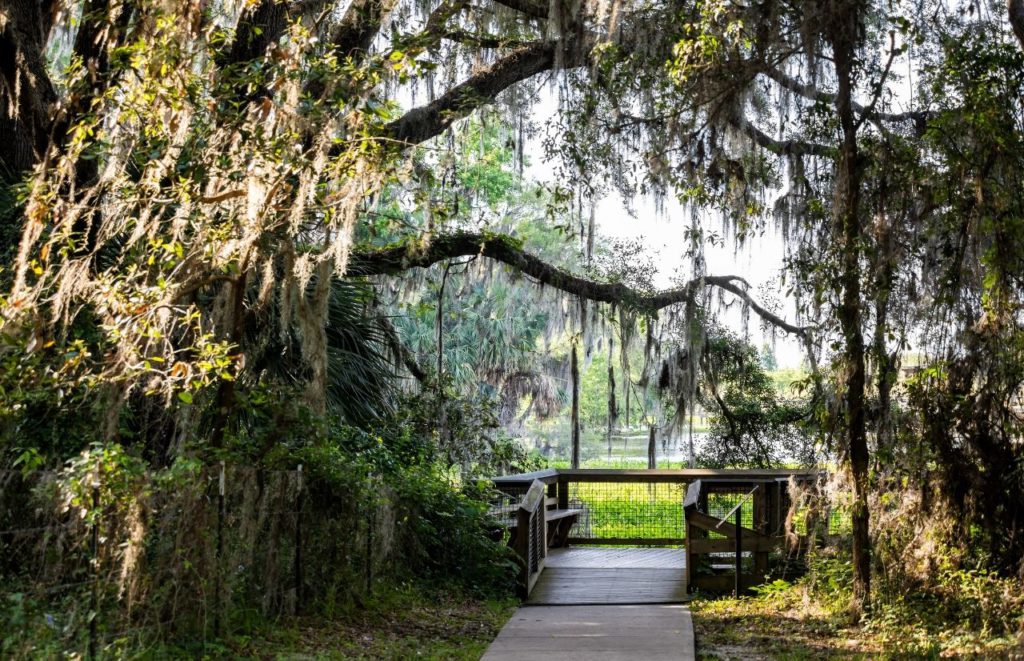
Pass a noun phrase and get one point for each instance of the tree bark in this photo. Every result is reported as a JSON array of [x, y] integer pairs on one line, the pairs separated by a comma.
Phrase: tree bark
[[1015, 9], [575, 369], [841, 31], [613, 412], [27, 96], [422, 123]]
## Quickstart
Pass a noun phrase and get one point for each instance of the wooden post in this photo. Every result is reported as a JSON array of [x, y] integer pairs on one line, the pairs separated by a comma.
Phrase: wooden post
[[689, 552], [691, 502], [739, 551], [563, 492], [760, 508], [531, 505]]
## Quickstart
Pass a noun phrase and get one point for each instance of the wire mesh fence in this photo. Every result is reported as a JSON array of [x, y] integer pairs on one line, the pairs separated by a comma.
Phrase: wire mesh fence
[[644, 513], [93, 570], [649, 512], [823, 520]]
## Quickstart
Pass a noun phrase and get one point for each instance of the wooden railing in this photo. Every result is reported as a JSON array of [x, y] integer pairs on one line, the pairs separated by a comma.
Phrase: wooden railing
[[760, 507], [530, 540], [683, 507]]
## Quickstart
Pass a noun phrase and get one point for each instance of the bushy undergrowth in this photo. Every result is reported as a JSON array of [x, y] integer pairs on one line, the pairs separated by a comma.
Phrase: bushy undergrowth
[[372, 509], [954, 610], [958, 614]]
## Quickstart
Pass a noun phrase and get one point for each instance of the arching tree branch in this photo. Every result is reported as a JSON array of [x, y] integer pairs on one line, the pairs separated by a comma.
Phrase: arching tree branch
[[504, 249], [530, 8], [782, 147], [813, 93], [424, 122]]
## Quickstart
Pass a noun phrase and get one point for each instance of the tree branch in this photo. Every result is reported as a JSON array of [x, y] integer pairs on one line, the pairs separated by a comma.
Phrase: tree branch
[[397, 259], [400, 351], [531, 8], [424, 122], [359, 26], [782, 147], [812, 93]]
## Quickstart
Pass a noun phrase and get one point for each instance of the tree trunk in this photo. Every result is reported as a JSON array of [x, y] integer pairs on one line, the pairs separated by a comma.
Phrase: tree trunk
[[27, 96], [575, 368], [842, 32], [652, 449], [612, 412]]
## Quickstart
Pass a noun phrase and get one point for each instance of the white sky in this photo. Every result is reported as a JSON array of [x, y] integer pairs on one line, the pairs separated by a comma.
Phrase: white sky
[[759, 261]]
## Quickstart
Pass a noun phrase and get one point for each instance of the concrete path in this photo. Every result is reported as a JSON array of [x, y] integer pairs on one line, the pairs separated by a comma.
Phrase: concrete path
[[599, 633]]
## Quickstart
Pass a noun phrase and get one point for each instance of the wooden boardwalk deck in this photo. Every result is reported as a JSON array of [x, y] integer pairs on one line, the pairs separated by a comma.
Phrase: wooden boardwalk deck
[[603, 557], [596, 576], [605, 604]]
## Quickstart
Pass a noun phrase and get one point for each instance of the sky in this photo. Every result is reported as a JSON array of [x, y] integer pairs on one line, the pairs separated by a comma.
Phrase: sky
[[660, 228]]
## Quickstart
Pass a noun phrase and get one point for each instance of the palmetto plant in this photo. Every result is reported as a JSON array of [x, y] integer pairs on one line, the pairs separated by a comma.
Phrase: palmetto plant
[[490, 332], [361, 378]]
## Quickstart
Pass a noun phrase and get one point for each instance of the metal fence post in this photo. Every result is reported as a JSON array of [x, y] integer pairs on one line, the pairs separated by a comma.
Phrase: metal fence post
[[218, 557], [370, 523], [95, 550], [298, 542]]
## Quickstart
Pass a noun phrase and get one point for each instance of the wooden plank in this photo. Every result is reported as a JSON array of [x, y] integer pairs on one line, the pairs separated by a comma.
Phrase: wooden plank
[[618, 558], [554, 515], [679, 474], [595, 633], [534, 498], [571, 585], [692, 495], [714, 524], [629, 541], [547, 476], [725, 582], [753, 544]]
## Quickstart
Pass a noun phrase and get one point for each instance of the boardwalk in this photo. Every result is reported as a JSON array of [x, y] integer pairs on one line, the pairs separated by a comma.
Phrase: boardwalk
[[601, 576], [603, 604]]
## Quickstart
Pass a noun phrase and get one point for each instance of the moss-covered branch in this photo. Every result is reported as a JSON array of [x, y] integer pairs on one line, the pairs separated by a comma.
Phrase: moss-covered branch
[[507, 250]]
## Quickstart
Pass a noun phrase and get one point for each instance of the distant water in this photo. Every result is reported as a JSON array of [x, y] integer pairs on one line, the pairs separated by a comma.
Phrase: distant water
[[627, 450], [635, 451]]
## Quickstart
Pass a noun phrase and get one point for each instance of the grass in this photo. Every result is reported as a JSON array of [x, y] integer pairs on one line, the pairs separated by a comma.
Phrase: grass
[[790, 624], [642, 511], [778, 626]]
